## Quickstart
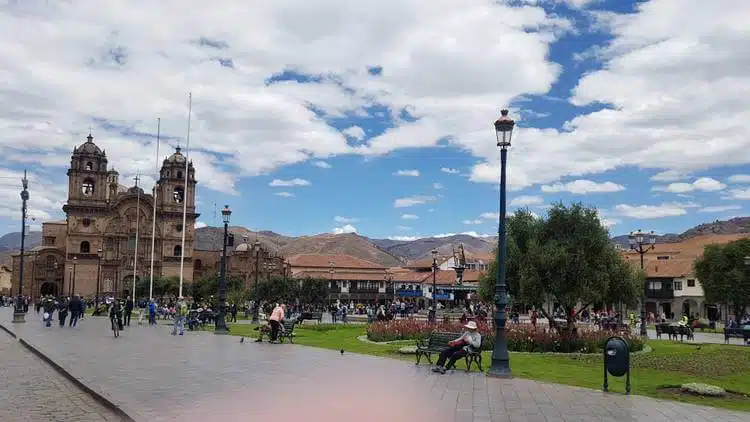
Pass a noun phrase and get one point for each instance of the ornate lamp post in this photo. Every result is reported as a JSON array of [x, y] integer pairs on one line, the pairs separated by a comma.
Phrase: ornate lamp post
[[99, 254], [500, 366], [221, 322], [641, 246], [330, 278], [256, 252], [434, 278], [19, 310], [389, 282]]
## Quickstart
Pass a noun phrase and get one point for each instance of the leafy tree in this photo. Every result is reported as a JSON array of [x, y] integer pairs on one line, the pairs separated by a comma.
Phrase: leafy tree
[[313, 291], [564, 258], [723, 274], [277, 289]]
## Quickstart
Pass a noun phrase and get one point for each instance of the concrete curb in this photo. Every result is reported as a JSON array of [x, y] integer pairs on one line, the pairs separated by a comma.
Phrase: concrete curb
[[102, 399]]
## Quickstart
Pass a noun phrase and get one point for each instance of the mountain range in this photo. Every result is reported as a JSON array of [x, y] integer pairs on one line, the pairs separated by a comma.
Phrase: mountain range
[[381, 251]]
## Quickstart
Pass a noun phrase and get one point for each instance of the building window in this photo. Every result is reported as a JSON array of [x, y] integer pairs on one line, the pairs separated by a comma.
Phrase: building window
[[179, 194], [177, 250], [109, 244], [198, 264], [178, 227], [179, 175], [86, 222], [87, 187], [678, 285], [131, 242], [85, 247], [382, 284], [50, 262], [89, 166], [49, 241], [654, 285], [691, 282]]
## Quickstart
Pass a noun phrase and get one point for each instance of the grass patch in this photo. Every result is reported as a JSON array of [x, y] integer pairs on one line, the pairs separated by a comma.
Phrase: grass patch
[[669, 364]]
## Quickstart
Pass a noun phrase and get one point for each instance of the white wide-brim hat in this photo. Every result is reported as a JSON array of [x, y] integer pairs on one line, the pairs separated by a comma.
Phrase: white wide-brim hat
[[471, 325]]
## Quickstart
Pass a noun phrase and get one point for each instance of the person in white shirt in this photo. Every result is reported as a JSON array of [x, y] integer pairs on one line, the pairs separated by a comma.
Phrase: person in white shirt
[[470, 341]]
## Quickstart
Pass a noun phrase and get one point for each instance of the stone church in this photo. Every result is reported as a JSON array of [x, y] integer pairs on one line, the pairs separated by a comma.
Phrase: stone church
[[96, 244]]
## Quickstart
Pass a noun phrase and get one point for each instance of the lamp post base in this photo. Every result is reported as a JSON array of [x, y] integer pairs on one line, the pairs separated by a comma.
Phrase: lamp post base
[[19, 316], [500, 370]]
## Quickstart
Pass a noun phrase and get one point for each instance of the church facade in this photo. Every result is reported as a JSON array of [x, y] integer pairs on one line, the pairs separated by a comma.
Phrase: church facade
[[105, 240]]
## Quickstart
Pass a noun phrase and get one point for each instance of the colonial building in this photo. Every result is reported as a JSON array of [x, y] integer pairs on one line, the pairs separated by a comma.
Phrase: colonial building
[[350, 278], [249, 260], [97, 245], [5, 273], [671, 286]]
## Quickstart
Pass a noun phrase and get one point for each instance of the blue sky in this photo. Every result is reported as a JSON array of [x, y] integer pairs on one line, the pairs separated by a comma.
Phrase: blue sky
[[383, 123]]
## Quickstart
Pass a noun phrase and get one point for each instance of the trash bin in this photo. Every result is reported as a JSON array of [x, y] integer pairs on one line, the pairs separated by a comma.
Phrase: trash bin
[[616, 361]]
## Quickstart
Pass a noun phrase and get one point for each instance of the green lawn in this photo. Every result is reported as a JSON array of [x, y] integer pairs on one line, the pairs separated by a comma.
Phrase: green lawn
[[669, 364]]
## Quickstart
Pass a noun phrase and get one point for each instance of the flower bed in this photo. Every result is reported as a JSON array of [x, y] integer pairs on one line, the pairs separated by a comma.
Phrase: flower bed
[[520, 338]]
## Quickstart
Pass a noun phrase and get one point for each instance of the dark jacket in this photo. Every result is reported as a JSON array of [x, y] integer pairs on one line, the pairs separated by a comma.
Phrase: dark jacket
[[75, 306]]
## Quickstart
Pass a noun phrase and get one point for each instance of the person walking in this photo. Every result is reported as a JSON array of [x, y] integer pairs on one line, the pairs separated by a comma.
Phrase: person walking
[[128, 310], [152, 312], [62, 311], [181, 310], [76, 309]]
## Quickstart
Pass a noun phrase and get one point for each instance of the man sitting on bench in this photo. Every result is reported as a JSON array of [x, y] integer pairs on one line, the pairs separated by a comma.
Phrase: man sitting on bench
[[469, 341]]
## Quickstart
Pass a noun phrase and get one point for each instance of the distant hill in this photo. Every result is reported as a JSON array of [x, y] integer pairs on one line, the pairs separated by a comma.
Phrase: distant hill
[[420, 248], [381, 251]]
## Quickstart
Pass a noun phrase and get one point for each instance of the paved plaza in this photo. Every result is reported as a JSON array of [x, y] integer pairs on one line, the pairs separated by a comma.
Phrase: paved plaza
[[31, 390], [153, 376]]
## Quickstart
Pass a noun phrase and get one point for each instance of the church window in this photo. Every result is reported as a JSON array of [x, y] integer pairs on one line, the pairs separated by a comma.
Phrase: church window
[[87, 187], [179, 194], [179, 175], [177, 250], [198, 264], [89, 166], [85, 247], [109, 244], [86, 222], [178, 227], [51, 261], [131, 242]]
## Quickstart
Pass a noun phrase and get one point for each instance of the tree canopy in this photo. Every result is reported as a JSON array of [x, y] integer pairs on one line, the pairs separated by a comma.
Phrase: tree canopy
[[724, 274], [564, 258]]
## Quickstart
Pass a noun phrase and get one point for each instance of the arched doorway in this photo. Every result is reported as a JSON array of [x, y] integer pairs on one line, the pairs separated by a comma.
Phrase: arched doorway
[[48, 288]]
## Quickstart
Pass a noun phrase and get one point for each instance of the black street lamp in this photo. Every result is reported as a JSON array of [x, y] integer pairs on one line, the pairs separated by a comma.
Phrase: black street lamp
[[98, 279], [389, 282], [221, 322], [256, 252], [331, 272], [19, 311], [641, 246], [500, 367]]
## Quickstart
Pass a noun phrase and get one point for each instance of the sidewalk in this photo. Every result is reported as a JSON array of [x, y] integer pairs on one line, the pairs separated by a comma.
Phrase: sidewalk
[[156, 377]]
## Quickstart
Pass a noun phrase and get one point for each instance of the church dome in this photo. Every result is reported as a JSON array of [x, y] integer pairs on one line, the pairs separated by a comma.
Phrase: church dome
[[89, 147], [177, 157]]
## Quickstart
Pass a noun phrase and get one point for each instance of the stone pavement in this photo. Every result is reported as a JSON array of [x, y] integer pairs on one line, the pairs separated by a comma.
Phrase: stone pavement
[[31, 390], [153, 376]]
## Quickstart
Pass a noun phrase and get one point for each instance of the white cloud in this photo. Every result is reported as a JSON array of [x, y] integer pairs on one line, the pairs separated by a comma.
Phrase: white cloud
[[344, 220], [408, 173], [284, 194], [490, 215], [437, 186], [741, 194], [739, 178], [403, 238], [703, 184], [410, 217], [449, 170], [720, 208], [412, 201], [321, 164], [289, 183], [526, 200], [670, 176], [354, 132], [651, 211], [470, 222], [347, 228], [583, 187], [200, 224], [610, 222]]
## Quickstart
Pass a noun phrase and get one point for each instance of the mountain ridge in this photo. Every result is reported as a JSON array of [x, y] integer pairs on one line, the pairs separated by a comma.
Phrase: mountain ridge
[[386, 252]]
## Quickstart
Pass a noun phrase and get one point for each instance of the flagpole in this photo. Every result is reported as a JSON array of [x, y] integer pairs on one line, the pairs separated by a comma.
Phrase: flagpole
[[153, 217], [186, 193], [137, 229]]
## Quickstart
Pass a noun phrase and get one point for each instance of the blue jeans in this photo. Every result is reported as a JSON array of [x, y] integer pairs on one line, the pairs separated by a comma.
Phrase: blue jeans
[[179, 322]]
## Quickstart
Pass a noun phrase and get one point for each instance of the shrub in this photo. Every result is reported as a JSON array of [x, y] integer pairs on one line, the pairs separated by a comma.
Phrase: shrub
[[520, 337], [703, 389]]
